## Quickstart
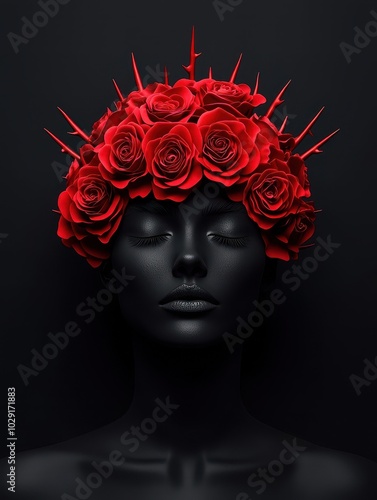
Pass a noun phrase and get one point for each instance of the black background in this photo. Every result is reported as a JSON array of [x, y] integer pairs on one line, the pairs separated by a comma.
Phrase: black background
[[296, 375]]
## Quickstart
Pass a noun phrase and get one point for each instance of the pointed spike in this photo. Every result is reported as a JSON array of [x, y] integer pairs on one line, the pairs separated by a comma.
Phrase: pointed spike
[[118, 91], [315, 149], [75, 127], [193, 56], [278, 100], [235, 71], [307, 246], [166, 75], [65, 148], [136, 74], [306, 130], [256, 88], [210, 74], [281, 130]]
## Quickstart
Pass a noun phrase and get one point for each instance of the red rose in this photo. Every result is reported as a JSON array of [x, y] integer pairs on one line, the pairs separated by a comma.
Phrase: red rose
[[268, 137], [73, 170], [88, 155], [109, 119], [229, 152], [283, 241], [287, 144], [271, 193], [189, 84], [212, 94], [171, 151], [122, 160], [172, 105], [91, 210], [300, 170], [138, 97]]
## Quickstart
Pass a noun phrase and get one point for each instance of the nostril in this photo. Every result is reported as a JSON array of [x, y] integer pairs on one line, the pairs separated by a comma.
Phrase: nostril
[[189, 265]]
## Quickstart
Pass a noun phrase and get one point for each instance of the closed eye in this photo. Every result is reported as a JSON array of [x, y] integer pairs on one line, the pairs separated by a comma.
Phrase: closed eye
[[137, 241], [225, 240]]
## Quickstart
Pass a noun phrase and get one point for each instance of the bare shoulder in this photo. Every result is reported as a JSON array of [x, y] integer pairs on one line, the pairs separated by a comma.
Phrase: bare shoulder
[[43, 472], [335, 475]]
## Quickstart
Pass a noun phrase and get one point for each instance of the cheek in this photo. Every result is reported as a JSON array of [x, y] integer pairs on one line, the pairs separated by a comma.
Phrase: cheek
[[238, 280], [149, 269]]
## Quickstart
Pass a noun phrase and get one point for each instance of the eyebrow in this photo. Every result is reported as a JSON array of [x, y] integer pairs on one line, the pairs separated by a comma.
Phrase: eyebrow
[[214, 207], [151, 206], [222, 207]]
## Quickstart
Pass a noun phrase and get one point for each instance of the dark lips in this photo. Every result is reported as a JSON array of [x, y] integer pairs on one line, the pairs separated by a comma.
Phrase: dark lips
[[189, 298]]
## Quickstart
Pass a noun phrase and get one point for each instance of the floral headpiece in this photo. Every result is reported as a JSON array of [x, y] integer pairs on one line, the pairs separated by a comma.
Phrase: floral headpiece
[[165, 139]]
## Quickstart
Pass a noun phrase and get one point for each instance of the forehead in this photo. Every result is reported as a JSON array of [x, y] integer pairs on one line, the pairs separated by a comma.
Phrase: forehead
[[203, 206]]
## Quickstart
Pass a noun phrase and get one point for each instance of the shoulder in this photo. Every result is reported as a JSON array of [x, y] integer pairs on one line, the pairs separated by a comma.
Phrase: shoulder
[[286, 466], [331, 475], [45, 473]]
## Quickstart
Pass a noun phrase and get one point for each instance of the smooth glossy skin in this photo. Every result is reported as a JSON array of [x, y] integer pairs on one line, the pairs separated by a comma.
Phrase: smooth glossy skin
[[201, 443], [164, 246]]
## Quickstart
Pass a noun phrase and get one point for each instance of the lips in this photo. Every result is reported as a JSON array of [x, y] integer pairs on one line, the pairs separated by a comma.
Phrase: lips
[[188, 299]]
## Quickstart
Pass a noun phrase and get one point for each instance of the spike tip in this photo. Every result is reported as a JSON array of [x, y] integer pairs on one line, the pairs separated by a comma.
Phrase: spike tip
[[306, 130], [315, 149], [76, 128], [235, 71], [193, 57], [65, 148], [138, 81], [118, 91], [278, 100]]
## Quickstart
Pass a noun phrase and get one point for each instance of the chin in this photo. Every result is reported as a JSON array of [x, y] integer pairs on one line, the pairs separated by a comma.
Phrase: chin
[[196, 332]]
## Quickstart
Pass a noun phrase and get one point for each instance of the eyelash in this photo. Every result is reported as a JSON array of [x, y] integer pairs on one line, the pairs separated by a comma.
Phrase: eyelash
[[155, 240], [149, 241], [233, 242]]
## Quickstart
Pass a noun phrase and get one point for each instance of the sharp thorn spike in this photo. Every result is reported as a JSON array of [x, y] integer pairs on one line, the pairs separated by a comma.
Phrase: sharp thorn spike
[[315, 149], [166, 75], [307, 246], [210, 74], [235, 71], [75, 127], [136, 73], [306, 130], [193, 56], [278, 100], [118, 91], [256, 88], [281, 130], [65, 148]]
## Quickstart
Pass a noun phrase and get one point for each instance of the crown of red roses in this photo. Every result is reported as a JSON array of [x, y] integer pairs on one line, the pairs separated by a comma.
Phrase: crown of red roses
[[165, 139]]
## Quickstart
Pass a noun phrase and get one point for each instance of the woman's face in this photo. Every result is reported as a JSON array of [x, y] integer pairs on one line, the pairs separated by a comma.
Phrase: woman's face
[[165, 244]]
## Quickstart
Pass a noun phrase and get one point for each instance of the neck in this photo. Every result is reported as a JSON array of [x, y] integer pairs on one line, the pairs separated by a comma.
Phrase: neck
[[204, 382]]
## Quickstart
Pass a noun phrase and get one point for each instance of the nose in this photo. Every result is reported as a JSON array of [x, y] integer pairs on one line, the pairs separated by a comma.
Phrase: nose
[[189, 261]]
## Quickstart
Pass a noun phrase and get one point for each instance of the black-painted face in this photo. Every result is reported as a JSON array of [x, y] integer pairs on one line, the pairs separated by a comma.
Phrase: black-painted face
[[165, 244]]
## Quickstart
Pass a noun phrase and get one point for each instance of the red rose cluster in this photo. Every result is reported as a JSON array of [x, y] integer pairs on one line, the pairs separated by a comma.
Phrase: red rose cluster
[[165, 139]]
